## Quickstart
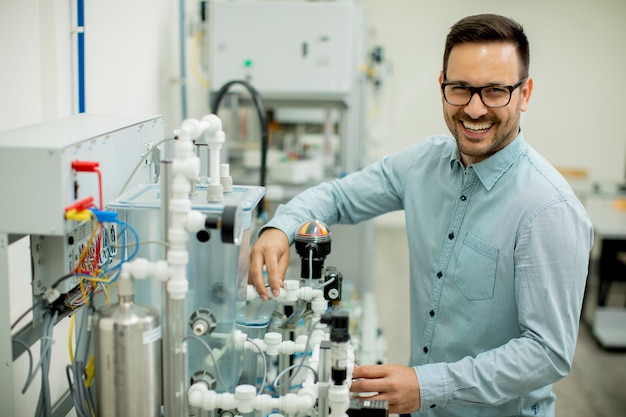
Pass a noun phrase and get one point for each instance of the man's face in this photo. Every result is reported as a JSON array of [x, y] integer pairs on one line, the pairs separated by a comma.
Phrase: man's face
[[481, 131]]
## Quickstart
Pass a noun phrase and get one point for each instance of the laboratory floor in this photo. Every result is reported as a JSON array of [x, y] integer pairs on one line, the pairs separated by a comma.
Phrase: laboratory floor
[[596, 387]]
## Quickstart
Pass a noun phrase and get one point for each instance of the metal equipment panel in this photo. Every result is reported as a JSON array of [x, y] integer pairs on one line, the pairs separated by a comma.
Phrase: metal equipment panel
[[38, 159], [285, 49]]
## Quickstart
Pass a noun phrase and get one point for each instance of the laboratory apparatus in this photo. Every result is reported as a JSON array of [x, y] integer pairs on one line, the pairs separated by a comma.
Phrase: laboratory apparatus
[[150, 265]]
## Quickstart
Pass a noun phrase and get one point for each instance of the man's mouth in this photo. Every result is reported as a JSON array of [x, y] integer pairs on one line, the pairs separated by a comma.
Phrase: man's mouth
[[478, 127]]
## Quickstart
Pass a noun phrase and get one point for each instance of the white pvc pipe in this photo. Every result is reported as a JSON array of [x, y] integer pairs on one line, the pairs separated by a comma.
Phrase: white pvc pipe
[[215, 139], [245, 399]]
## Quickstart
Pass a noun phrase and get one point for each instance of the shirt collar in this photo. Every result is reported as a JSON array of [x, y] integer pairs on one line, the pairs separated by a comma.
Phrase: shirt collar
[[490, 170]]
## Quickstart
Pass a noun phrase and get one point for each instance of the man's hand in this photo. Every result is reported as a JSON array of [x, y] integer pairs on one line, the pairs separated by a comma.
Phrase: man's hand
[[394, 383], [271, 250]]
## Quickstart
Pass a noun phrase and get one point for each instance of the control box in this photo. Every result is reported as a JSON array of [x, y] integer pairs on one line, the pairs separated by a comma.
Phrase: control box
[[287, 50], [38, 182]]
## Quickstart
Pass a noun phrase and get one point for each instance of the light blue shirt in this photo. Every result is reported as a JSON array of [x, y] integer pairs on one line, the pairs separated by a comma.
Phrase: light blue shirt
[[499, 258]]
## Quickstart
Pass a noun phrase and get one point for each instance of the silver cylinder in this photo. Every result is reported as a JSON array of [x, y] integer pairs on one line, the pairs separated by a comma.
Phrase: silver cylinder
[[128, 360]]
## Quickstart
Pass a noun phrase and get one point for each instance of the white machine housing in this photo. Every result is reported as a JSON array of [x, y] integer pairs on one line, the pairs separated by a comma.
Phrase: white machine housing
[[286, 50], [38, 158]]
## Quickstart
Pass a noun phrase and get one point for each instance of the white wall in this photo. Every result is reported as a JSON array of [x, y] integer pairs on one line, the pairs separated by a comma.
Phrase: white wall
[[131, 64], [577, 59], [131, 59]]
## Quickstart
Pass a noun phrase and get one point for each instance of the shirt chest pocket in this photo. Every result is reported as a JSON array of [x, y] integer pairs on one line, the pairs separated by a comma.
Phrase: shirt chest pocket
[[475, 274]]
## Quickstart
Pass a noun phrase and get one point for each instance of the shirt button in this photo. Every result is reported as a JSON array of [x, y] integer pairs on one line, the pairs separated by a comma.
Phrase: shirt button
[[463, 198], [433, 405], [432, 313], [439, 274], [451, 235], [425, 349]]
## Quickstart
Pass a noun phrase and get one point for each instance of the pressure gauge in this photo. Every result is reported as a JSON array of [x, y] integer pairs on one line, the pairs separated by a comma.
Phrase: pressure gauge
[[312, 243], [232, 225]]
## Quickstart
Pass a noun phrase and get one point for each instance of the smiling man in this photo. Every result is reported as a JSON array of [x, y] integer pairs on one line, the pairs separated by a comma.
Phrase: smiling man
[[498, 242]]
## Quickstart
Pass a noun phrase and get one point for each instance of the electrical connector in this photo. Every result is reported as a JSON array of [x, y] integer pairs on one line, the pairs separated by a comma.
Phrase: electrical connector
[[85, 166], [51, 295], [81, 205], [104, 216], [79, 216]]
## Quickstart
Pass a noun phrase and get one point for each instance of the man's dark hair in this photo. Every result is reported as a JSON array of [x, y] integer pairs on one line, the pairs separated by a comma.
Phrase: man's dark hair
[[489, 28]]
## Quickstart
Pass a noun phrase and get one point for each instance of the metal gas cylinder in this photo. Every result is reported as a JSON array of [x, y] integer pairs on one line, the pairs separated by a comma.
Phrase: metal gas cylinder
[[127, 357]]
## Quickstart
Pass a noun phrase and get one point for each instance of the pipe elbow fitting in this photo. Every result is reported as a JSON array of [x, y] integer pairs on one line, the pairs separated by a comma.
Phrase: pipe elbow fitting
[[196, 394], [214, 122], [195, 221], [307, 397], [192, 127]]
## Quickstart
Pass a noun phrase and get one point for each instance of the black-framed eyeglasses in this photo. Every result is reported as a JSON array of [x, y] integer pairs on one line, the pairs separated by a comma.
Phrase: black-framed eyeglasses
[[493, 96]]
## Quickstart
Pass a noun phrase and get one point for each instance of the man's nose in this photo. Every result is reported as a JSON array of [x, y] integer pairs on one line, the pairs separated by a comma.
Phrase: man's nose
[[475, 108]]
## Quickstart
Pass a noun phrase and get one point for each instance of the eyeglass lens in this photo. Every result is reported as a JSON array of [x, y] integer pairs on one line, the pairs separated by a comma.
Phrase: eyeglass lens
[[492, 96]]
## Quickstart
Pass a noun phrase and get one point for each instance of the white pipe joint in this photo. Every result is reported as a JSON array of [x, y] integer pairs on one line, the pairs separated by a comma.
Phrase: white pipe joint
[[253, 345], [195, 221], [292, 403], [294, 292], [272, 343], [183, 152], [193, 127], [291, 287], [265, 403], [177, 289], [307, 398], [180, 187], [213, 122], [180, 205], [196, 394], [288, 347], [177, 257], [199, 395], [244, 396], [216, 140], [177, 237], [319, 306], [309, 293], [188, 167], [239, 340], [339, 400], [318, 336], [141, 268]]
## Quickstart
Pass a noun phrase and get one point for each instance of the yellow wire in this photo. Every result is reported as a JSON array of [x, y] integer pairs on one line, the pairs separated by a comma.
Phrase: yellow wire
[[69, 340], [90, 370], [81, 283], [94, 279], [107, 294]]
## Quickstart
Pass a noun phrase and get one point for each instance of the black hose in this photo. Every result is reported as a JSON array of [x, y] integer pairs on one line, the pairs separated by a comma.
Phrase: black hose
[[260, 107]]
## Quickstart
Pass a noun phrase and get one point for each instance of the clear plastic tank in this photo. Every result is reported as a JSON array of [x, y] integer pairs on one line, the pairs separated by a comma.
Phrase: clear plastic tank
[[217, 272]]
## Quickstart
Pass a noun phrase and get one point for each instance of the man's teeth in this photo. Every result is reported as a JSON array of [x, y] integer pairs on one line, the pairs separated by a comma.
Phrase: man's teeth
[[476, 126]]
